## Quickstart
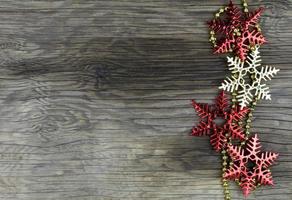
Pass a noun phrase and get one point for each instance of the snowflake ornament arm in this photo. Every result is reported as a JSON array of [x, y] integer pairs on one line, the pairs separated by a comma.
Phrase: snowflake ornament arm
[[253, 18], [243, 70]]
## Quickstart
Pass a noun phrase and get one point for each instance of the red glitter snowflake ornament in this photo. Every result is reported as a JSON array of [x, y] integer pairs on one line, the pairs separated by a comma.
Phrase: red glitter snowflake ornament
[[218, 133], [250, 165], [237, 32]]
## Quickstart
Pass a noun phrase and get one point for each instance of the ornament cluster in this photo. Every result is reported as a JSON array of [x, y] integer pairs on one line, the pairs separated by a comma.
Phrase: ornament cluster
[[227, 122]]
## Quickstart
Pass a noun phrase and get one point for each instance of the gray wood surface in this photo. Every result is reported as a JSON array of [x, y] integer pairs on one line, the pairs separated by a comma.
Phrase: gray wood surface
[[95, 100]]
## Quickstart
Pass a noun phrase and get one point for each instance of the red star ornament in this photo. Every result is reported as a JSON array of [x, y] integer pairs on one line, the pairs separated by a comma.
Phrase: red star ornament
[[221, 109], [250, 165], [238, 31]]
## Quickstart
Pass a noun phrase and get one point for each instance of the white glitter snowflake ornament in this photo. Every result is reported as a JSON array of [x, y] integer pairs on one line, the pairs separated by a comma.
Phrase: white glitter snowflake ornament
[[238, 82]]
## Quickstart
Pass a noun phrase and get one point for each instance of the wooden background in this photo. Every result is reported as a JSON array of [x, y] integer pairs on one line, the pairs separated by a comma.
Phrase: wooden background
[[95, 99]]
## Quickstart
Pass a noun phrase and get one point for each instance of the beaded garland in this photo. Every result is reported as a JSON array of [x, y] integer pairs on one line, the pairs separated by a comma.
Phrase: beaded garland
[[238, 32]]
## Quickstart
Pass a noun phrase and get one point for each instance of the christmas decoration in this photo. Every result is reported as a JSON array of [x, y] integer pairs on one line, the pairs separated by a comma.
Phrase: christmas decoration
[[251, 68], [250, 165], [220, 110], [239, 33]]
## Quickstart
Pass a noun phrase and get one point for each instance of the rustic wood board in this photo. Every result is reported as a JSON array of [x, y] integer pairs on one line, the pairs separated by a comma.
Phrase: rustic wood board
[[95, 99]]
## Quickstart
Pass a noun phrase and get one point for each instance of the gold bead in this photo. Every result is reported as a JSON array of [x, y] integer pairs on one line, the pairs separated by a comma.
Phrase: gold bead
[[248, 121], [224, 163], [242, 143], [245, 10], [247, 126], [245, 4], [222, 10], [212, 32], [217, 15]]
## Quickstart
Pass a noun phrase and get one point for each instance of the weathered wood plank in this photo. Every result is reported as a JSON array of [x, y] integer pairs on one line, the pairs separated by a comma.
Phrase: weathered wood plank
[[96, 96]]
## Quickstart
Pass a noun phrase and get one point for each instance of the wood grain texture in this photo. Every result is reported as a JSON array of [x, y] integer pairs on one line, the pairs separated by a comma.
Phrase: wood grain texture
[[95, 100]]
